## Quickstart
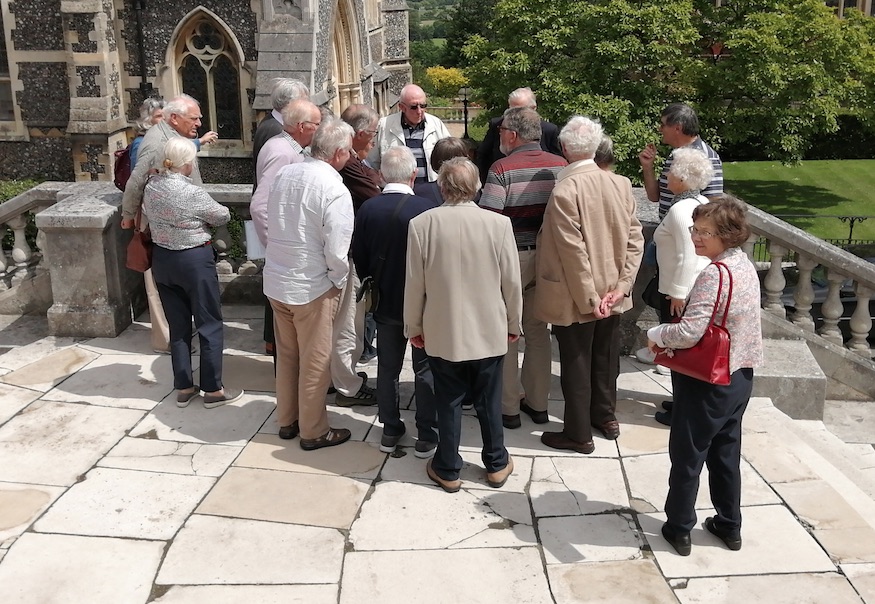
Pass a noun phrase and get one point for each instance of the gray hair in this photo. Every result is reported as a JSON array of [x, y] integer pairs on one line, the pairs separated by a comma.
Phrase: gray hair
[[360, 117], [178, 151], [297, 112], [147, 110], [398, 164], [604, 155], [332, 135], [581, 137], [522, 97], [179, 105], [285, 90], [524, 121], [684, 115], [458, 180], [692, 167]]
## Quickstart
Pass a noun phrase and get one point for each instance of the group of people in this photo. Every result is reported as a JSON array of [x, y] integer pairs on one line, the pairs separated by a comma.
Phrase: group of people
[[552, 243]]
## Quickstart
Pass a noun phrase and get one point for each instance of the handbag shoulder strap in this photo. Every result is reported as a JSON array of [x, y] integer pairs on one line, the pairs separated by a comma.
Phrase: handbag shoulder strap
[[720, 265]]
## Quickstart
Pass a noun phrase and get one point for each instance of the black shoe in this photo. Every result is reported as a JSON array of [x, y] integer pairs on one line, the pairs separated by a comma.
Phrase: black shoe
[[679, 541], [731, 538], [511, 422], [663, 417], [289, 432], [388, 442], [539, 417], [668, 405]]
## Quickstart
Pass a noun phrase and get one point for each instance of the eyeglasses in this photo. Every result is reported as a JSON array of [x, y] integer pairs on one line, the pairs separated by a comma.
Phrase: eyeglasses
[[317, 124], [194, 118], [416, 106], [371, 132], [701, 234]]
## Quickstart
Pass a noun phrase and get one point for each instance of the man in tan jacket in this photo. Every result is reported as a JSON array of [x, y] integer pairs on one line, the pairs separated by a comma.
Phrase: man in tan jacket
[[589, 250], [463, 303]]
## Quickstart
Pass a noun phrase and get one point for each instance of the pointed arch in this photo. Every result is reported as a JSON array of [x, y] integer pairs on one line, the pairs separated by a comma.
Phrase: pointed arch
[[346, 62]]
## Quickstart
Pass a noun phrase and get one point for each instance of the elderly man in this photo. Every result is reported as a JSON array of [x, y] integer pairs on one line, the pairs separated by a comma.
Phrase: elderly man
[[311, 222], [519, 187], [490, 152], [182, 116], [462, 304], [379, 248], [679, 126], [362, 180], [413, 128], [282, 92], [589, 250]]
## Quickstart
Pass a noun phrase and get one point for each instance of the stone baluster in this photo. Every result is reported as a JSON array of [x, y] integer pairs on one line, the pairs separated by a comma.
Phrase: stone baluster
[[222, 243], [21, 252], [832, 308], [748, 245], [775, 281], [3, 263], [861, 322], [804, 295]]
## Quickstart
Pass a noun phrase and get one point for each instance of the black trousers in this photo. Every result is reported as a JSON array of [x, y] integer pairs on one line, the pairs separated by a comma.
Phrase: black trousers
[[480, 382], [391, 345], [706, 429], [589, 360], [188, 286]]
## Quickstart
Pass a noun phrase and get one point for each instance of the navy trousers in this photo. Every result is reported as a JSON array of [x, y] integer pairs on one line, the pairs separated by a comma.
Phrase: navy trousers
[[189, 286], [391, 345], [706, 429], [480, 382]]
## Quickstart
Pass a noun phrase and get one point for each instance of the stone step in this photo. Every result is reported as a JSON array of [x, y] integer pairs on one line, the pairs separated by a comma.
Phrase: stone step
[[792, 378]]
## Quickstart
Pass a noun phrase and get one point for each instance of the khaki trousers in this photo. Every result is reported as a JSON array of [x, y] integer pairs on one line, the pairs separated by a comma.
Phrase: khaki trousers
[[160, 328], [303, 356], [349, 327], [537, 357]]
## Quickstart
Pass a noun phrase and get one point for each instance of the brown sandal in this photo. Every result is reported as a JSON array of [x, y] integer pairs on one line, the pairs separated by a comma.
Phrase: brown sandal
[[334, 436]]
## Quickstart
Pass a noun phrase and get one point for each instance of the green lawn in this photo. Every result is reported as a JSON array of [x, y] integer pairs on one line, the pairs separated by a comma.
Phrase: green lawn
[[813, 189]]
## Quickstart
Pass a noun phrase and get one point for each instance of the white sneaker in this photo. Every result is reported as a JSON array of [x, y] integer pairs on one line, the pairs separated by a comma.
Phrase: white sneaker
[[645, 355], [663, 370]]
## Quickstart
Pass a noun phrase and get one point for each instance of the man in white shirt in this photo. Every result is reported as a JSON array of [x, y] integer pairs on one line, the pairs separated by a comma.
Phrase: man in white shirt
[[311, 221]]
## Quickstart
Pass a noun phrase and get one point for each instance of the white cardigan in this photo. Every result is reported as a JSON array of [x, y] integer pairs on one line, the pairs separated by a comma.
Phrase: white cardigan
[[675, 255]]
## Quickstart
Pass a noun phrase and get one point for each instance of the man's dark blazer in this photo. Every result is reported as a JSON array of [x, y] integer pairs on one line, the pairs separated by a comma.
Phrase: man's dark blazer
[[488, 152]]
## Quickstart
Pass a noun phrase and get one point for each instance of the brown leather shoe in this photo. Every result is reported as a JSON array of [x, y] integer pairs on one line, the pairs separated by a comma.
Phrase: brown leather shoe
[[290, 431], [497, 479], [450, 486], [610, 429], [334, 436], [558, 440]]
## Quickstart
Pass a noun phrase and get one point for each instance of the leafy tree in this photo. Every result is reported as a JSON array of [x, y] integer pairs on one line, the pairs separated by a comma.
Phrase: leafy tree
[[446, 81], [466, 18]]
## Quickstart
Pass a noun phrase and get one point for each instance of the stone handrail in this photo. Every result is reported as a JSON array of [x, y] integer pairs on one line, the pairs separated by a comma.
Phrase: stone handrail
[[784, 241], [15, 213]]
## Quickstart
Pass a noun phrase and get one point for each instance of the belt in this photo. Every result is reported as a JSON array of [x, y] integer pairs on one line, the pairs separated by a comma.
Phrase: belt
[[525, 248]]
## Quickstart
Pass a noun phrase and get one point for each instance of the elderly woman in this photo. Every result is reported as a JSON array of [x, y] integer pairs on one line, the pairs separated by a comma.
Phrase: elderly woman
[[462, 304], [184, 266], [706, 423], [444, 149]]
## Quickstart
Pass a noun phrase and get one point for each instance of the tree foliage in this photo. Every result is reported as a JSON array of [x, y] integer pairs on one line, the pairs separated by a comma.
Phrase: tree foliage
[[466, 18], [785, 71], [446, 81]]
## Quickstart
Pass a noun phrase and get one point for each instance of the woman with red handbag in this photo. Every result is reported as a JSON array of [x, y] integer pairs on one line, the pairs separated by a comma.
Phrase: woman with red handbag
[[706, 422]]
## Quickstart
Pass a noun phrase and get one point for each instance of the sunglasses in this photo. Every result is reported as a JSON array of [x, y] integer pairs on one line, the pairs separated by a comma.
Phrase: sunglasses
[[414, 107]]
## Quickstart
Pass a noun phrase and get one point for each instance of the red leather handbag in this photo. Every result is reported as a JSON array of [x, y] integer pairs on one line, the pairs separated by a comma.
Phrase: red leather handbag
[[140, 248], [708, 359]]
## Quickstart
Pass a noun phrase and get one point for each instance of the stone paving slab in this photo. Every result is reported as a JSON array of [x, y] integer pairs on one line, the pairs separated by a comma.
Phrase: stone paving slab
[[774, 542], [229, 551], [13, 399], [62, 569], [352, 459], [21, 504], [292, 498], [625, 582], [55, 443], [257, 594], [598, 538], [232, 424], [252, 373], [170, 457], [472, 576], [34, 351], [126, 503], [851, 421], [132, 381], [245, 336], [862, 577], [136, 339], [775, 589], [49, 371], [582, 485]]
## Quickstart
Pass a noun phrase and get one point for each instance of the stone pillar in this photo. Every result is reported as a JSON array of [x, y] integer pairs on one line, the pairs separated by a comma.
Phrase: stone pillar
[[97, 125], [285, 46], [93, 294], [396, 45]]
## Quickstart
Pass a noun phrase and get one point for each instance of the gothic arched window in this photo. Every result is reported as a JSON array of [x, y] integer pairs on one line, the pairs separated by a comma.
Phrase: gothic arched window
[[210, 72]]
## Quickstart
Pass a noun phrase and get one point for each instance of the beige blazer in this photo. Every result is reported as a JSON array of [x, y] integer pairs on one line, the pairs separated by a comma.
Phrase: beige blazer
[[463, 292], [590, 243]]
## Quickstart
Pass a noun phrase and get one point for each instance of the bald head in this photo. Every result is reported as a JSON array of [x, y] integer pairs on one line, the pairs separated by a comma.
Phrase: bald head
[[412, 103]]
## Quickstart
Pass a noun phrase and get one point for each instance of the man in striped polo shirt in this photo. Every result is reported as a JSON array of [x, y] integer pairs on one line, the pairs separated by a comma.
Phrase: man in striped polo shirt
[[519, 187], [413, 127], [679, 126]]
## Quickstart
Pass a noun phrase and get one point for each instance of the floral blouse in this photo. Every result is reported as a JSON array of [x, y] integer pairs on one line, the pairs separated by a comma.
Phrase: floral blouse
[[180, 213]]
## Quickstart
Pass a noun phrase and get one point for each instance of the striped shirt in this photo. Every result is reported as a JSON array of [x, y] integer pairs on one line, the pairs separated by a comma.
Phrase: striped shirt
[[413, 138], [519, 187], [714, 188]]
